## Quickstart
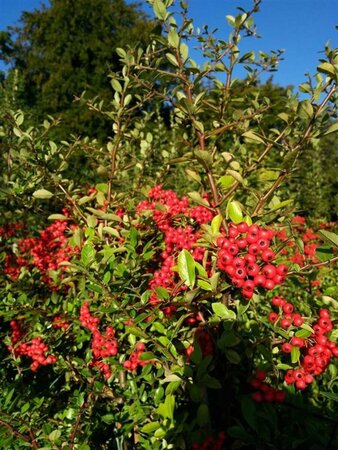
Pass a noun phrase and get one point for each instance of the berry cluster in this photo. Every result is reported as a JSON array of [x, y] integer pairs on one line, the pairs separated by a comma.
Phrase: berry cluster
[[317, 351], [245, 255], [103, 346], [36, 349], [205, 342], [134, 361], [211, 443], [166, 207], [310, 242], [59, 323], [264, 392], [45, 252], [286, 316], [201, 214]]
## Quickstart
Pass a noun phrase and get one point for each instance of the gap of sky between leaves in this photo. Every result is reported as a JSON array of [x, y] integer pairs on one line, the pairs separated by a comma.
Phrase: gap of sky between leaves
[[300, 27]]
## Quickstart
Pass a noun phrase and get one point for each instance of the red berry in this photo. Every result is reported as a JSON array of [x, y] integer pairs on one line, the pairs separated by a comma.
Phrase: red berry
[[259, 280], [288, 308], [285, 323], [269, 284], [268, 255], [257, 397], [260, 375], [273, 317], [324, 314], [300, 384], [269, 271], [280, 396], [242, 227], [297, 341], [286, 347], [297, 320], [278, 301], [282, 269]]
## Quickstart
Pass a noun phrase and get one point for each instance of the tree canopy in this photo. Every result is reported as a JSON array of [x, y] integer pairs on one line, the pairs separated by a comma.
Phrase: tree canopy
[[68, 47]]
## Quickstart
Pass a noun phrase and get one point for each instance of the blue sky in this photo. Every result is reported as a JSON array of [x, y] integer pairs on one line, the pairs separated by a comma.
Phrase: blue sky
[[301, 27]]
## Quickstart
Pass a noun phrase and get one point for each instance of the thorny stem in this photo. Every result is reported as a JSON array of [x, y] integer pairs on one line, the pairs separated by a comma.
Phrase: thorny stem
[[254, 165], [69, 198], [311, 266], [31, 440], [233, 58], [270, 191], [315, 116], [74, 431], [201, 141]]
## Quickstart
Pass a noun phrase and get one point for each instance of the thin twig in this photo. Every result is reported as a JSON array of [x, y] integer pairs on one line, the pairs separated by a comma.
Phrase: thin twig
[[312, 266], [269, 192], [69, 198], [25, 438]]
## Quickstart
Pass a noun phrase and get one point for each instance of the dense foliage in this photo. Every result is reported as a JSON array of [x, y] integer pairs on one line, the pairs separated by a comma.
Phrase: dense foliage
[[66, 48], [159, 289]]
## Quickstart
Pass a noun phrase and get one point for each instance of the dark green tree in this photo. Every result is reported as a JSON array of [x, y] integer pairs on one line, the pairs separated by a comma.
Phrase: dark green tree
[[67, 48]]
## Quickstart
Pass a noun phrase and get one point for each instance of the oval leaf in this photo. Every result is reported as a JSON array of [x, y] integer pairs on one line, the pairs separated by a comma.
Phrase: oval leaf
[[186, 268]]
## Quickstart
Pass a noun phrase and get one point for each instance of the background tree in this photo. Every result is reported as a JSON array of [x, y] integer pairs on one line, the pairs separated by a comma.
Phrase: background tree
[[67, 48]]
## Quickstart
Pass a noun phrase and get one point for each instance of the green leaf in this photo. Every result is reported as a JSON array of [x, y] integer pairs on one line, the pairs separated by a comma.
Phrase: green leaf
[[330, 237], [324, 253], [252, 137], [166, 409], [236, 175], [147, 356], [112, 231], [87, 254], [192, 175], [235, 211], [248, 408], [303, 333], [204, 285], [326, 68], [150, 427], [223, 312], [233, 356], [58, 217], [135, 331], [186, 268], [83, 447], [307, 327], [281, 204], [201, 270], [203, 416], [172, 59], [108, 418], [159, 9], [238, 432], [228, 339], [211, 382], [54, 435], [329, 395], [230, 20], [226, 181], [42, 194], [216, 224], [284, 366], [184, 50], [295, 355], [332, 129], [173, 38], [305, 109], [162, 293], [116, 85]]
